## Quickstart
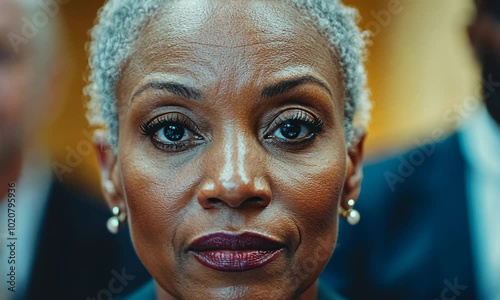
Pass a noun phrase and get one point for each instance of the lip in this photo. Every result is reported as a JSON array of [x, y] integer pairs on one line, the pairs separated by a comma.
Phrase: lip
[[235, 252]]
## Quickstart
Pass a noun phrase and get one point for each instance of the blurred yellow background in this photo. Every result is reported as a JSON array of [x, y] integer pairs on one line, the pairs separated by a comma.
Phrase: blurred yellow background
[[421, 70]]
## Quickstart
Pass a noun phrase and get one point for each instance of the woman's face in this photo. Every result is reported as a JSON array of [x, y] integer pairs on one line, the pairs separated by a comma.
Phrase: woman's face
[[232, 158]]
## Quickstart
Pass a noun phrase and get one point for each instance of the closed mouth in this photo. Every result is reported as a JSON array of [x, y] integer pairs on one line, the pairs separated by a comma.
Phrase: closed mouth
[[235, 252]]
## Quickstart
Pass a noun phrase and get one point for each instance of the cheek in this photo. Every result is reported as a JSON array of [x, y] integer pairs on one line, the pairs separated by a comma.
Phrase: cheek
[[156, 197], [311, 192], [311, 195], [317, 198]]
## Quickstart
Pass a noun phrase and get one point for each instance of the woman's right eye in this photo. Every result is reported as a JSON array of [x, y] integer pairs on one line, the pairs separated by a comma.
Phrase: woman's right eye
[[172, 133]]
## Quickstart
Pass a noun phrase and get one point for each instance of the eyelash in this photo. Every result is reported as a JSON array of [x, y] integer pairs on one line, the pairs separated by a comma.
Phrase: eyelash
[[150, 129], [315, 124]]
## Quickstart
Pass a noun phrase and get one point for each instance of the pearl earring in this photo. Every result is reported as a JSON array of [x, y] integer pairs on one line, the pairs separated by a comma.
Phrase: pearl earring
[[109, 187], [115, 222], [351, 215]]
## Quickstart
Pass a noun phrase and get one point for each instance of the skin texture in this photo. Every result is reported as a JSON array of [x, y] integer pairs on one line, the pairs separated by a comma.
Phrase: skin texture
[[234, 172], [484, 34]]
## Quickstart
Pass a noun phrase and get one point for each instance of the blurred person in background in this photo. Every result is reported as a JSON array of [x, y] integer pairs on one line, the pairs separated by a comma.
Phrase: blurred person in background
[[61, 248], [431, 216]]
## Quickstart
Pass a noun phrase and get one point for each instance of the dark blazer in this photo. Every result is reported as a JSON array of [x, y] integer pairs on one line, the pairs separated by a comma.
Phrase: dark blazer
[[76, 256], [413, 241], [147, 292]]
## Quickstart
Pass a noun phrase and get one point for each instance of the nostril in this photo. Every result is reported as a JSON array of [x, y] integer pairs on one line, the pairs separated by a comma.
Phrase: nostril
[[256, 194], [215, 201], [254, 200]]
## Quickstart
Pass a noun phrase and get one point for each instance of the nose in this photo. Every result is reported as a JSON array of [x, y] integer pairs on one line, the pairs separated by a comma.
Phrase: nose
[[235, 176]]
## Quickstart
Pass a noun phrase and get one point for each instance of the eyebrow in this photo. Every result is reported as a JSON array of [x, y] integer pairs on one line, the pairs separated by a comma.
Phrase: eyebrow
[[284, 86], [172, 87], [268, 92]]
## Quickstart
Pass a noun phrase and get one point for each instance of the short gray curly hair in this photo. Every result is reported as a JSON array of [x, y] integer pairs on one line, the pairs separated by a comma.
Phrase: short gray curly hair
[[120, 21]]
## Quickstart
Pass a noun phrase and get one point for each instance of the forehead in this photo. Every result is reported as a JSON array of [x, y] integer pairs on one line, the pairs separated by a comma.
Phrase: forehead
[[231, 23], [244, 40]]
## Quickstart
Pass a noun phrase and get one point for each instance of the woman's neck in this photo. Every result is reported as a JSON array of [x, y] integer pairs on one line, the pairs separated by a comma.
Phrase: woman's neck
[[310, 294]]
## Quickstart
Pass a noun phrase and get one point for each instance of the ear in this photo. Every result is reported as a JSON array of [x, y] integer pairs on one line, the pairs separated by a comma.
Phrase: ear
[[352, 185], [108, 164]]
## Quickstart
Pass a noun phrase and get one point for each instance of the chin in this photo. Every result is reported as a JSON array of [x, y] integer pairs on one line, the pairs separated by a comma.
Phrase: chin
[[278, 280], [269, 290]]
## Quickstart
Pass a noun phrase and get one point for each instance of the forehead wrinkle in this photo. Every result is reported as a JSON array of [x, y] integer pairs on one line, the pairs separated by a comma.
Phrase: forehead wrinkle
[[142, 66], [269, 28], [251, 44]]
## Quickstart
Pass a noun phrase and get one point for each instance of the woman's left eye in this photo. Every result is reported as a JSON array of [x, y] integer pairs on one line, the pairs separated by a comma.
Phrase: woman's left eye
[[295, 128]]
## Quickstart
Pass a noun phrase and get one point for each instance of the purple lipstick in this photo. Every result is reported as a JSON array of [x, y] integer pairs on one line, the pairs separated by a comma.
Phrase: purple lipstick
[[235, 252]]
